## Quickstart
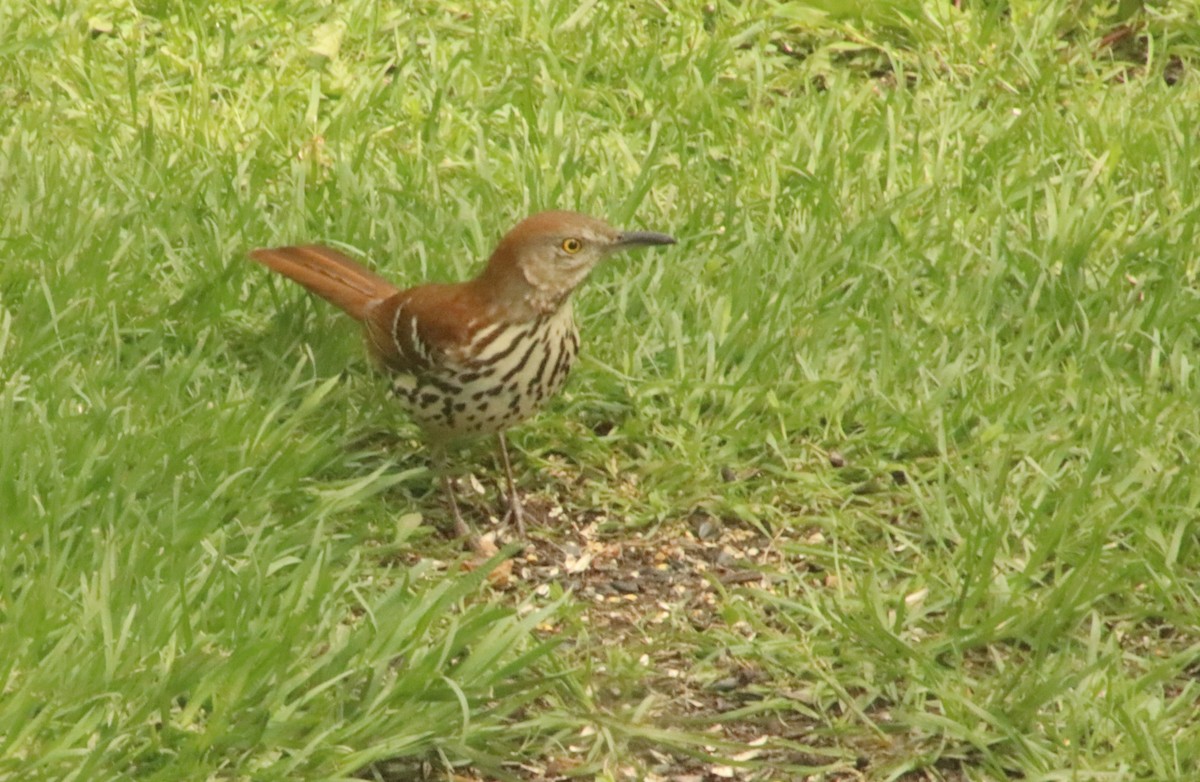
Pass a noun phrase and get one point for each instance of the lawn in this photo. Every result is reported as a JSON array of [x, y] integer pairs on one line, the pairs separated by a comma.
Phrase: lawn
[[885, 471]]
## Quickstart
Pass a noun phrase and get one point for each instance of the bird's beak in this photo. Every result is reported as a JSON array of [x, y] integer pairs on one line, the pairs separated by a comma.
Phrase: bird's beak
[[642, 239]]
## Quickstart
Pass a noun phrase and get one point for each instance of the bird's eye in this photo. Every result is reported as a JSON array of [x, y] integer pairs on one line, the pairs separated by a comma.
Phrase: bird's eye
[[572, 245]]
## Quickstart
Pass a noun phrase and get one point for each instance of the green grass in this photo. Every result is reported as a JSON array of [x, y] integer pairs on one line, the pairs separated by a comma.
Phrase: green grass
[[925, 358]]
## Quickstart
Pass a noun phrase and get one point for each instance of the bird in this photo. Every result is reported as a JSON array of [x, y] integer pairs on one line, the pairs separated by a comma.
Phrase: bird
[[472, 358]]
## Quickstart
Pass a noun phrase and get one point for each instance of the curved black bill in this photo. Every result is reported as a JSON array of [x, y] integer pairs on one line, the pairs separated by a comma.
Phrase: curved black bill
[[643, 238]]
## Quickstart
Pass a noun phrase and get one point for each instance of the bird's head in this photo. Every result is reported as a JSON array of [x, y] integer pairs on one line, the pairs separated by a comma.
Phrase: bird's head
[[547, 255]]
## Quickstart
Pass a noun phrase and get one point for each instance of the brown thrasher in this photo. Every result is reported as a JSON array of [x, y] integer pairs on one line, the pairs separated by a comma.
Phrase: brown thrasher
[[475, 357]]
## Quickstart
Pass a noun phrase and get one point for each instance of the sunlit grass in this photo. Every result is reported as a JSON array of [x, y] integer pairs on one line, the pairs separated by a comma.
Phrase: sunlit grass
[[929, 335]]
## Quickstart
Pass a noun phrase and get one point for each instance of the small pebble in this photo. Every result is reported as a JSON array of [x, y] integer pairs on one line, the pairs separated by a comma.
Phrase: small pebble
[[725, 685]]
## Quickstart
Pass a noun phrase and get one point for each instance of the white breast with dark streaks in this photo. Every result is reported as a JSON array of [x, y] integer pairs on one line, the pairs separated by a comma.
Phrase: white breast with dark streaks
[[506, 373]]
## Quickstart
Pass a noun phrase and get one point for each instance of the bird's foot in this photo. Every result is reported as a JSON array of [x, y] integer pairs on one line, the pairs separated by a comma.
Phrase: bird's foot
[[516, 514]]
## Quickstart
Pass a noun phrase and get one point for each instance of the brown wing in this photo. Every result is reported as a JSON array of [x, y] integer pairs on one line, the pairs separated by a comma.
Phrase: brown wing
[[423, 327]]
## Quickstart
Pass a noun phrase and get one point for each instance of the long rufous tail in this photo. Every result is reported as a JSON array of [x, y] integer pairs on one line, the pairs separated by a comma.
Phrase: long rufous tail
[[330, 275]]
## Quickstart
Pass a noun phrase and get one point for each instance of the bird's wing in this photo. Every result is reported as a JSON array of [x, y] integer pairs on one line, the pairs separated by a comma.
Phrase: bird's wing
[[422, 327]]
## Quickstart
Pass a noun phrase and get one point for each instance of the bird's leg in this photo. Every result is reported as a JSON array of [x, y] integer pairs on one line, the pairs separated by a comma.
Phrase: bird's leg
[[461, 528], [514, 499]]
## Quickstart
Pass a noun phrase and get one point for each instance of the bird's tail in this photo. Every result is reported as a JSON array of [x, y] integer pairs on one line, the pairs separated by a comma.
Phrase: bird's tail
[[330, 275]]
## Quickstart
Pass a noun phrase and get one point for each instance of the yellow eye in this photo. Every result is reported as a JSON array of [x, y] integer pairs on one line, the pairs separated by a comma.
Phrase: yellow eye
[[572, 245]]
